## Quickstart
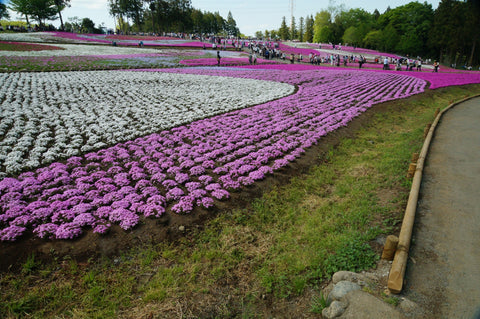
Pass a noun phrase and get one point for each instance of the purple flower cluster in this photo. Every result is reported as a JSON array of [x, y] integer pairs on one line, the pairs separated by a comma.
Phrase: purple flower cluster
[[195, 164]]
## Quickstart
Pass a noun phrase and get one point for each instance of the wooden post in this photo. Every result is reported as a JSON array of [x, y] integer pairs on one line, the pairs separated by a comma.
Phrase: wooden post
[[390, 247]]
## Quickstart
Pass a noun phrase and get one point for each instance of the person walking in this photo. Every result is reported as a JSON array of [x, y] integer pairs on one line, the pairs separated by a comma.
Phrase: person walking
[[218, 58], [385, 64]]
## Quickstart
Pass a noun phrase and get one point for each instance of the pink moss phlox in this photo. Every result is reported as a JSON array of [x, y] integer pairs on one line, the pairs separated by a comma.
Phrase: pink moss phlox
[[194, 164]]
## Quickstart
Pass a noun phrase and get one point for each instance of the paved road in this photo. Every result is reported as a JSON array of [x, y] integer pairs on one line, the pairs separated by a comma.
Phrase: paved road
[[443, 273]]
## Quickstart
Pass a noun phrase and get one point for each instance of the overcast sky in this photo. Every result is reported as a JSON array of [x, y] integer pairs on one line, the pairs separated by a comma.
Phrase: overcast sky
[[250, 15]]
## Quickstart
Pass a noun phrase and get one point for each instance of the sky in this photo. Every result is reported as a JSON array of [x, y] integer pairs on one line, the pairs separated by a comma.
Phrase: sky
[[250, 15]]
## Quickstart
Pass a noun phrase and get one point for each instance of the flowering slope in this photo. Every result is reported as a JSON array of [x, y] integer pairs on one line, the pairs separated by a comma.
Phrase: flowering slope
[[49, 116], [81, 50], [20, 46], [194, 164], [223, 61]]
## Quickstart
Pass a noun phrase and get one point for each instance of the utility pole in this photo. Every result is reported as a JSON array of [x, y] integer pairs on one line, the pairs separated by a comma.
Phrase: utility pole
[[292, 7]]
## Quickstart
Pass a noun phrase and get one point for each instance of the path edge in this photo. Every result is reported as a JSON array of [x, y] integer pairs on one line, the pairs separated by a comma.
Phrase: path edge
[[399, 265]]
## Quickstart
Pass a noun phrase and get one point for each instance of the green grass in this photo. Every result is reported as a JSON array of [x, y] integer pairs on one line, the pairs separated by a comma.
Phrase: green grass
[[277, 251]]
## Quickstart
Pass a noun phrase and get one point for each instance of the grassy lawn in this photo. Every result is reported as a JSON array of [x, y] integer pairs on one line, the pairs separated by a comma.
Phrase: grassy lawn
[[270, 258]]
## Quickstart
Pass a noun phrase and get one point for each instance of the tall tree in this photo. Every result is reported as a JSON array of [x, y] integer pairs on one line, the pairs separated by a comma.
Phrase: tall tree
[[88, 26], [231, 25], [323, 31], [3, 11], [473, 25], [61, 5], [358, 22], [301, 29], [309, 29], [23, 7], [413, 22], [293, 29], [283, 32], [43, 10]]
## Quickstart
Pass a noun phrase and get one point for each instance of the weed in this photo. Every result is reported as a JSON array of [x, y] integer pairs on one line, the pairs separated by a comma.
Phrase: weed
[[354, 256], [392, 300], [318, 303], [29, 265]]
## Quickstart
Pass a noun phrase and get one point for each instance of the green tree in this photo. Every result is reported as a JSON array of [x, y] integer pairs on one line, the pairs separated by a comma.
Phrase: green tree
[[88, 26], [61, 5], [231, 25], [197, 21], [273, 34], [293, 29], [373, 39], [259, 35], [413, 22], [353, 36], [23, 7], [390, 39], [309, 29], [301, 29], [42, 10], [3, 11], [473, 26], [283, 32], [74, 24], [357, 22], [323, 31]]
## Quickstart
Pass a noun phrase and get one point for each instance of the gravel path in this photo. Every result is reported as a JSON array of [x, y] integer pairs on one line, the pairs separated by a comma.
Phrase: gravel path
[[443, 271]]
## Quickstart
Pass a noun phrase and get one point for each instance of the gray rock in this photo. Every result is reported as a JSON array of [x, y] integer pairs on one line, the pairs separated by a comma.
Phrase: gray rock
[[347, 276], [341, 289], [337, 308], [407, 306], [362, 305]]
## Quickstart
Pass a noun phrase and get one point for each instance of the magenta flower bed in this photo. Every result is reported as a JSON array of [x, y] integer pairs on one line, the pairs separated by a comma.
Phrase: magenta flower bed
[[223, 61], [439, 80], [195, 164], [356, 51], [116, 37], [131, 41], [305, 52], [23, 46], [80, 37]]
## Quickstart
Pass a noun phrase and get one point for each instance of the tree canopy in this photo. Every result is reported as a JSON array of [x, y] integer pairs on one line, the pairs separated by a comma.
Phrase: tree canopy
[[451, 33], [3, 11]]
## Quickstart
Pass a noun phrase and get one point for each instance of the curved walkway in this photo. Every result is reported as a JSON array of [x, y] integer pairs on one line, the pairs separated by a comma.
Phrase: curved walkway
[[443, 271]]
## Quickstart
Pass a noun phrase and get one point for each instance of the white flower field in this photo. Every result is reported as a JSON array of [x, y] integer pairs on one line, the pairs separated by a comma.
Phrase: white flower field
[[49, 116]]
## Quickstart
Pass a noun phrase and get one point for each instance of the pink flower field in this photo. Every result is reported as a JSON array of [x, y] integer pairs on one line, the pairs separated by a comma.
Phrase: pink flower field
[[196, 164], [202, 162]]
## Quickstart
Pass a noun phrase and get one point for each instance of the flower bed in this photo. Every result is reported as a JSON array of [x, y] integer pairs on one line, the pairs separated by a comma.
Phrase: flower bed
[[70, 50], [48, 116], [223, 61], [116, 37], [78, 63], [437, 80], [22, 46], [189, 165]]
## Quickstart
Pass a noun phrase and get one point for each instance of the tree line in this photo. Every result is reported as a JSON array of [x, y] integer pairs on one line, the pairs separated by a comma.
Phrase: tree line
[[147, 16], [157, 16], [450, 33]]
